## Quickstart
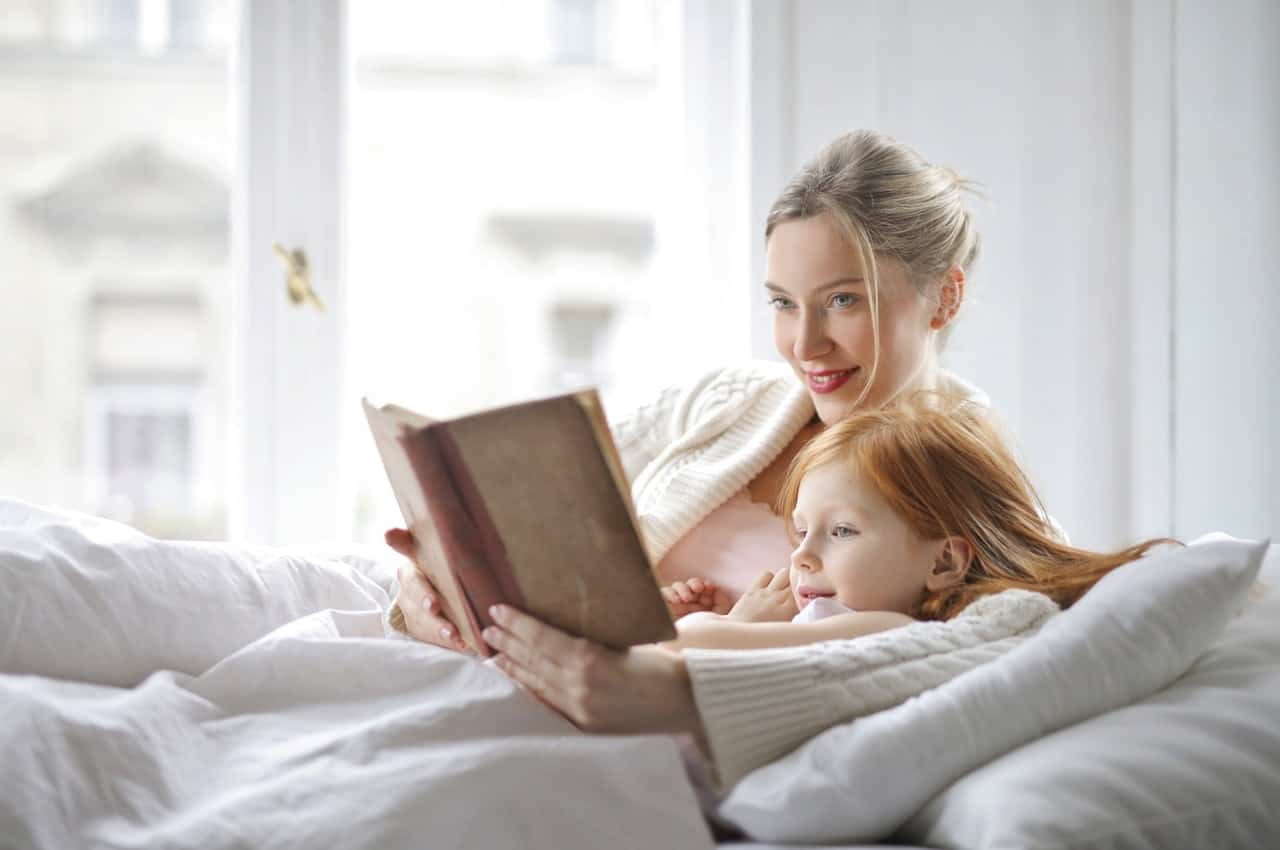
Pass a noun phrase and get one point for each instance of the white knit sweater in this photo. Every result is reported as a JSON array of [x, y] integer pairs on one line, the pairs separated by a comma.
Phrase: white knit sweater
[[695, 446], [686, 454], [758, 705]]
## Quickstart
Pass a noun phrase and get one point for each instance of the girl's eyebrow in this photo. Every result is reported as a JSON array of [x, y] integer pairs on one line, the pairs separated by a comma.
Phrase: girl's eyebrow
[[843, 281]]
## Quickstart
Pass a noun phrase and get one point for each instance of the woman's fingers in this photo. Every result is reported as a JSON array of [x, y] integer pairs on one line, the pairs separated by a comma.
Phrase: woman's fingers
[[529, 642], [762, 581], [781, 579], [400, 539], [420, 606], [414, 588]]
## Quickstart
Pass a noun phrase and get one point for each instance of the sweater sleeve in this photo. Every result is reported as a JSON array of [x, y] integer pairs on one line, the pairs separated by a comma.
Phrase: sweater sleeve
[[758, 705]]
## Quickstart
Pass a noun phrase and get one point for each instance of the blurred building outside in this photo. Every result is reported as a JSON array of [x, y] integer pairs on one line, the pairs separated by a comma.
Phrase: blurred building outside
[[502, 193]]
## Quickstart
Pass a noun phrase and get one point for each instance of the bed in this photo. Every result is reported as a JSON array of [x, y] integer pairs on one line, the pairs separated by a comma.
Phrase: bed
[[173, 694]]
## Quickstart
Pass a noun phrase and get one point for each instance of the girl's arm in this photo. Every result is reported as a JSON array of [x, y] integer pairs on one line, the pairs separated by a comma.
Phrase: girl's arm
[[705, 630]]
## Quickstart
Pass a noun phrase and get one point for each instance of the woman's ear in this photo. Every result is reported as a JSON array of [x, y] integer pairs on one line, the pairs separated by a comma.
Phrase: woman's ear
[[950, 297], [951, 564]]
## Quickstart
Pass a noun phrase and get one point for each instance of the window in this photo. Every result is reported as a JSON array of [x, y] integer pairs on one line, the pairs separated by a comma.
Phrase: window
[[114, 244]]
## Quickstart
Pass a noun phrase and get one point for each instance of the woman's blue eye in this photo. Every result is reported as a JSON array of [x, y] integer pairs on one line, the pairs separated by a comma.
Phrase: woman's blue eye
[[843, 299], [800, 532], [843, 531], [777, 302]]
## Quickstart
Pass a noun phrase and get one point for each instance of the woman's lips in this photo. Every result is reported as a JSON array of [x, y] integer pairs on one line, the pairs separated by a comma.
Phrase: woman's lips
[[828, 382], [807, 593]]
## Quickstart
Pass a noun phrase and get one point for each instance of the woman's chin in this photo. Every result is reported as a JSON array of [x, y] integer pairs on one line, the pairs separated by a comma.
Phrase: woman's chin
[[833, 409]]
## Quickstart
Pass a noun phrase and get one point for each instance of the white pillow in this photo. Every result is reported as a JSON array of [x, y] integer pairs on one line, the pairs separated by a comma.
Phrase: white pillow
[[1136, 631], [92, 600], [1196, 765]]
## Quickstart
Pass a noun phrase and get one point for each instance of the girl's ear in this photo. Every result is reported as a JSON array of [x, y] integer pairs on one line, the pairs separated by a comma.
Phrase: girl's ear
[[950, 297], [951, 565]]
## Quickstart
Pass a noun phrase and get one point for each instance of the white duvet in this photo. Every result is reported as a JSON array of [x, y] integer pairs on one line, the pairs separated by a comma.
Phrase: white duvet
[[318, 733], [159, 694], [324, 734]]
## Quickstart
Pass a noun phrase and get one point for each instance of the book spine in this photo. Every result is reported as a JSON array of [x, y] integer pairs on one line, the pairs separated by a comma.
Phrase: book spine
[[492, 579], [449, 524]]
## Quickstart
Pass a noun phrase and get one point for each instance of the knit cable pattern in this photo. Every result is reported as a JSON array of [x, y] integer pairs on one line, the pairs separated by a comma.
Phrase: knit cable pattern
[[759, 705]]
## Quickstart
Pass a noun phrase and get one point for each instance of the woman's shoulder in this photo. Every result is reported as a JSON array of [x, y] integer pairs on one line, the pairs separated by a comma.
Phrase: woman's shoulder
[[952, 384], [745, 379], [725, 393], [719, 394]]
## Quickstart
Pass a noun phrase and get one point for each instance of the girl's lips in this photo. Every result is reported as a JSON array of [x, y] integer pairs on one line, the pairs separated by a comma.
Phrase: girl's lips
[[807, 593], [828, 382]]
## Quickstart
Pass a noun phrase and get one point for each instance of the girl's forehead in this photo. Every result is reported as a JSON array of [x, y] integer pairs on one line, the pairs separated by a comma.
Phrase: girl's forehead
[[838, 485]]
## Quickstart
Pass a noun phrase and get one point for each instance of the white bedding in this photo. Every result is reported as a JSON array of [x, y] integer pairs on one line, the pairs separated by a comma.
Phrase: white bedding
[[319, 733], [323, 734], [236, 697]]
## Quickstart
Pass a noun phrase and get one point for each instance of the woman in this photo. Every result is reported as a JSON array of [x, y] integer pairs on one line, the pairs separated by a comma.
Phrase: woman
[[867, 252]]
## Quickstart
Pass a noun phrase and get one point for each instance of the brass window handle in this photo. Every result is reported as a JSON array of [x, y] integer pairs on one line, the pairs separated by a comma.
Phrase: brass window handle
[[297, 276]]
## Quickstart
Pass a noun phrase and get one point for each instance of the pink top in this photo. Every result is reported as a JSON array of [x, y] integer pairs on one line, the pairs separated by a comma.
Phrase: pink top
[[733, 545]]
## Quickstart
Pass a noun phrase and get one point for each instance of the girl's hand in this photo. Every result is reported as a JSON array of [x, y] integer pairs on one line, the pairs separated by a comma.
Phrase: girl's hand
[[695, 594], [418, 601], [768, 600], [643, 690]]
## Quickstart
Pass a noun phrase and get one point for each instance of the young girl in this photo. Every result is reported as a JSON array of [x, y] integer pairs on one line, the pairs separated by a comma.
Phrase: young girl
[[901, 514]]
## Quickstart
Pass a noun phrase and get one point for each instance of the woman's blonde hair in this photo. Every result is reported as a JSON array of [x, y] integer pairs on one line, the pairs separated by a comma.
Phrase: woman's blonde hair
[[886, 200], [944, 468]]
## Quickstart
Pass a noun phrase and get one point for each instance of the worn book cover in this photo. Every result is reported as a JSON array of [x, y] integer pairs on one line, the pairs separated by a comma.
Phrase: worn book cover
[[526, 505]]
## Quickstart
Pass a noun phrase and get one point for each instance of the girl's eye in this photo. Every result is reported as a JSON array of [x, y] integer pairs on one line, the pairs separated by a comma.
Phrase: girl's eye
[[843, 531], [800, 532], [777, 302], [843, 299]]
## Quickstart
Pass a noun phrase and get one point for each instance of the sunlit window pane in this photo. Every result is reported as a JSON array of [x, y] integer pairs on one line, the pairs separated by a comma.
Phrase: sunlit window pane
[[508, 164], [116, 159]]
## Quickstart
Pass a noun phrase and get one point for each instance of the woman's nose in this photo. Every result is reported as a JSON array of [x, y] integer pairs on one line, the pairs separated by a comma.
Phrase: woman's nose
[[812, 341]]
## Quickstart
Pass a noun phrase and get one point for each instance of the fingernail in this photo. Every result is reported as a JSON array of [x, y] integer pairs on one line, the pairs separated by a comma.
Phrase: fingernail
[[489, 634], [427, 602], [497, 612], [446, 633]]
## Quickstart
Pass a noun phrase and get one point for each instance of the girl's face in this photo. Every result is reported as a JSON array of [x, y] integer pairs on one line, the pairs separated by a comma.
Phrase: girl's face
[[822, 318], [854, 547]]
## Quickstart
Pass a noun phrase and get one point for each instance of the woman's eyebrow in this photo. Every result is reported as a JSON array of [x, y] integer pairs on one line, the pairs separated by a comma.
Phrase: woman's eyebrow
[[843, 281]]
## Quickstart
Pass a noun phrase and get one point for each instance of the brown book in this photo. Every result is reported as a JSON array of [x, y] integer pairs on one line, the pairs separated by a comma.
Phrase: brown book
[[526, 505]]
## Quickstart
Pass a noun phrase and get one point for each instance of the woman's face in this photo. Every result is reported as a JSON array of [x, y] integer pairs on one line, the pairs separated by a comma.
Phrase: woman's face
[[822, 317]]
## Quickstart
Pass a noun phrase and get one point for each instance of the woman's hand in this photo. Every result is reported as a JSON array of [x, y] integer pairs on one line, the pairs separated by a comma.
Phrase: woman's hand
[[643, 690], [768, 600], [696, 594], [418, 601]]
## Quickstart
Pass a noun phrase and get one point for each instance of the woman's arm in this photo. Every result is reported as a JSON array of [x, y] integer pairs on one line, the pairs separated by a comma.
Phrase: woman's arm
[[705, 630]]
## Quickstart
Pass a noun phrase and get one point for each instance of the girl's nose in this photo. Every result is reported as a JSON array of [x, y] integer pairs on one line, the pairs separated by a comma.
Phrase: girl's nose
[[805, 558]]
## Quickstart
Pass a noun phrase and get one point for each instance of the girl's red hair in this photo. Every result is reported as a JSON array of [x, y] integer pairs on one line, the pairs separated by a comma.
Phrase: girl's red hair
[[943, 467]]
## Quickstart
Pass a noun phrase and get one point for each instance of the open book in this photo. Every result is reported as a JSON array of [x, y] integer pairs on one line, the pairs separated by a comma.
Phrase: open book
[[526, 505]]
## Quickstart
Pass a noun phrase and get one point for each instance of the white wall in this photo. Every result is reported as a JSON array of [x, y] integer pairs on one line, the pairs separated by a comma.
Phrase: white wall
[[1226, 252], [1065, 114]]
